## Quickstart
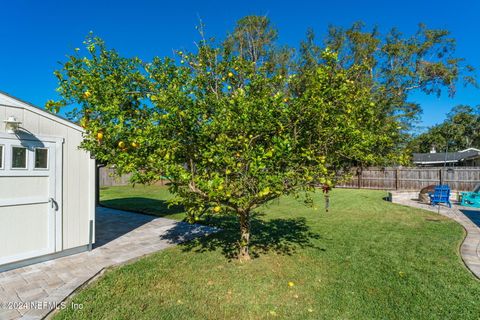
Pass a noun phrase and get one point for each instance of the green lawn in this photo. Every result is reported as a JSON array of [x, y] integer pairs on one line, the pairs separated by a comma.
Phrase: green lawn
[[366, 259], [143, 199]]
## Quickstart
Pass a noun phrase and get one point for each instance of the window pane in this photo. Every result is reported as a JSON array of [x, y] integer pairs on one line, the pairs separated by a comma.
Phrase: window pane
[[19, 157], [41, 158], [1, 157]]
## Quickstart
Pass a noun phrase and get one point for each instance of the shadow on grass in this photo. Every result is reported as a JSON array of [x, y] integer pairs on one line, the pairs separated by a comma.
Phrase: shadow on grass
[[150, 206], [280, 236]]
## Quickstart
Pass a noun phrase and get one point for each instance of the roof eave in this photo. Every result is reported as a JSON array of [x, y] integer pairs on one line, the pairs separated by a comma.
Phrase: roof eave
[[29, 106]]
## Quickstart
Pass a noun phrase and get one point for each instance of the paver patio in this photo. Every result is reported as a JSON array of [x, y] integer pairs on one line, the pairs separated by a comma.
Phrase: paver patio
[[468, 217], [31, 291]]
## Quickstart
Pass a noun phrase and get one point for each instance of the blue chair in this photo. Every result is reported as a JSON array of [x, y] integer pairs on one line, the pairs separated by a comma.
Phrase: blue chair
[[441, 194]]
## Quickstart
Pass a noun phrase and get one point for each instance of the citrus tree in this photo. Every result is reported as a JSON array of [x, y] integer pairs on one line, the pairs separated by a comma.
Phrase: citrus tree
[[229, 133]]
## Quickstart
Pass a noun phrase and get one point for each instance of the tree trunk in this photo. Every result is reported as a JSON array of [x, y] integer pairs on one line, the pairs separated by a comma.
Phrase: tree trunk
[[243, 254]]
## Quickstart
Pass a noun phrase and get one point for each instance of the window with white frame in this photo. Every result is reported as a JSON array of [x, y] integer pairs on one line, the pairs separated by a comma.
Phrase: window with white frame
[[19, 158], [41, 158]]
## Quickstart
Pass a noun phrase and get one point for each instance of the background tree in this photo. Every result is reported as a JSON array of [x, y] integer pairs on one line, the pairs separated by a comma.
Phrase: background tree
[[254, 39], [395, 65], [461, 130], [224, 127]]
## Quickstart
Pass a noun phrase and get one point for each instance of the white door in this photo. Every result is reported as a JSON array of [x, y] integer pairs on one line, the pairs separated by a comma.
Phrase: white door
[[28, 204]]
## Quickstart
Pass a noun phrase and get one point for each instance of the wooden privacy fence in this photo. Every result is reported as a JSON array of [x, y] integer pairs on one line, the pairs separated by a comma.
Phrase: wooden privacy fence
[[108, 178], [413, 179]]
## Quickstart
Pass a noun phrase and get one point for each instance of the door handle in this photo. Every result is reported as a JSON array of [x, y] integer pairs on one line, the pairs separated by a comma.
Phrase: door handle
[[54, 203]]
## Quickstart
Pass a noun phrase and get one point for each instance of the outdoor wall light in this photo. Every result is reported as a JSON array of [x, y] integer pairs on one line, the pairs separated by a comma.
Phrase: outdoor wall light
[[11, 124]]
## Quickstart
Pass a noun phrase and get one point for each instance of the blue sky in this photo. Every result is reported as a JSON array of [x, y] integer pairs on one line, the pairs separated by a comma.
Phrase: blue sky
[[37, 34]]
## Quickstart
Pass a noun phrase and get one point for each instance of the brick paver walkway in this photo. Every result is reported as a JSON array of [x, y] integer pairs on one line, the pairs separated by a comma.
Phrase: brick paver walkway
[[468, 217], [30, 292]]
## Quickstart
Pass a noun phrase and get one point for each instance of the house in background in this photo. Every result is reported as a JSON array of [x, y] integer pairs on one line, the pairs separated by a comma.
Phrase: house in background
[[465, 158], [47, 186]]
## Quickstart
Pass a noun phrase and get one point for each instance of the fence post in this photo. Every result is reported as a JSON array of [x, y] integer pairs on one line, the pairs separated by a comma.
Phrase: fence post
[[359, 174], [440, 176], [396, 179]]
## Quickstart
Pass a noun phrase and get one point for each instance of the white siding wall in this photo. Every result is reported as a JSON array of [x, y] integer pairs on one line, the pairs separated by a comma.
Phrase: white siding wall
[[78, 169]]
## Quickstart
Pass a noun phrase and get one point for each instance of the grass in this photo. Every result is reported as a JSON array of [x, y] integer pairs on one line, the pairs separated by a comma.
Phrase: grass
[[366, 259]]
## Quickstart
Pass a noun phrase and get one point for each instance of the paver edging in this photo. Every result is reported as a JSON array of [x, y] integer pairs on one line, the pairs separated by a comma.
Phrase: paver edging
[[464, 241], [92, 279]]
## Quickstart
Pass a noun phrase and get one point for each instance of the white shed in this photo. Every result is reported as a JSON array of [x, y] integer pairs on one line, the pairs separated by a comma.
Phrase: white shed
[[47, 186]]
